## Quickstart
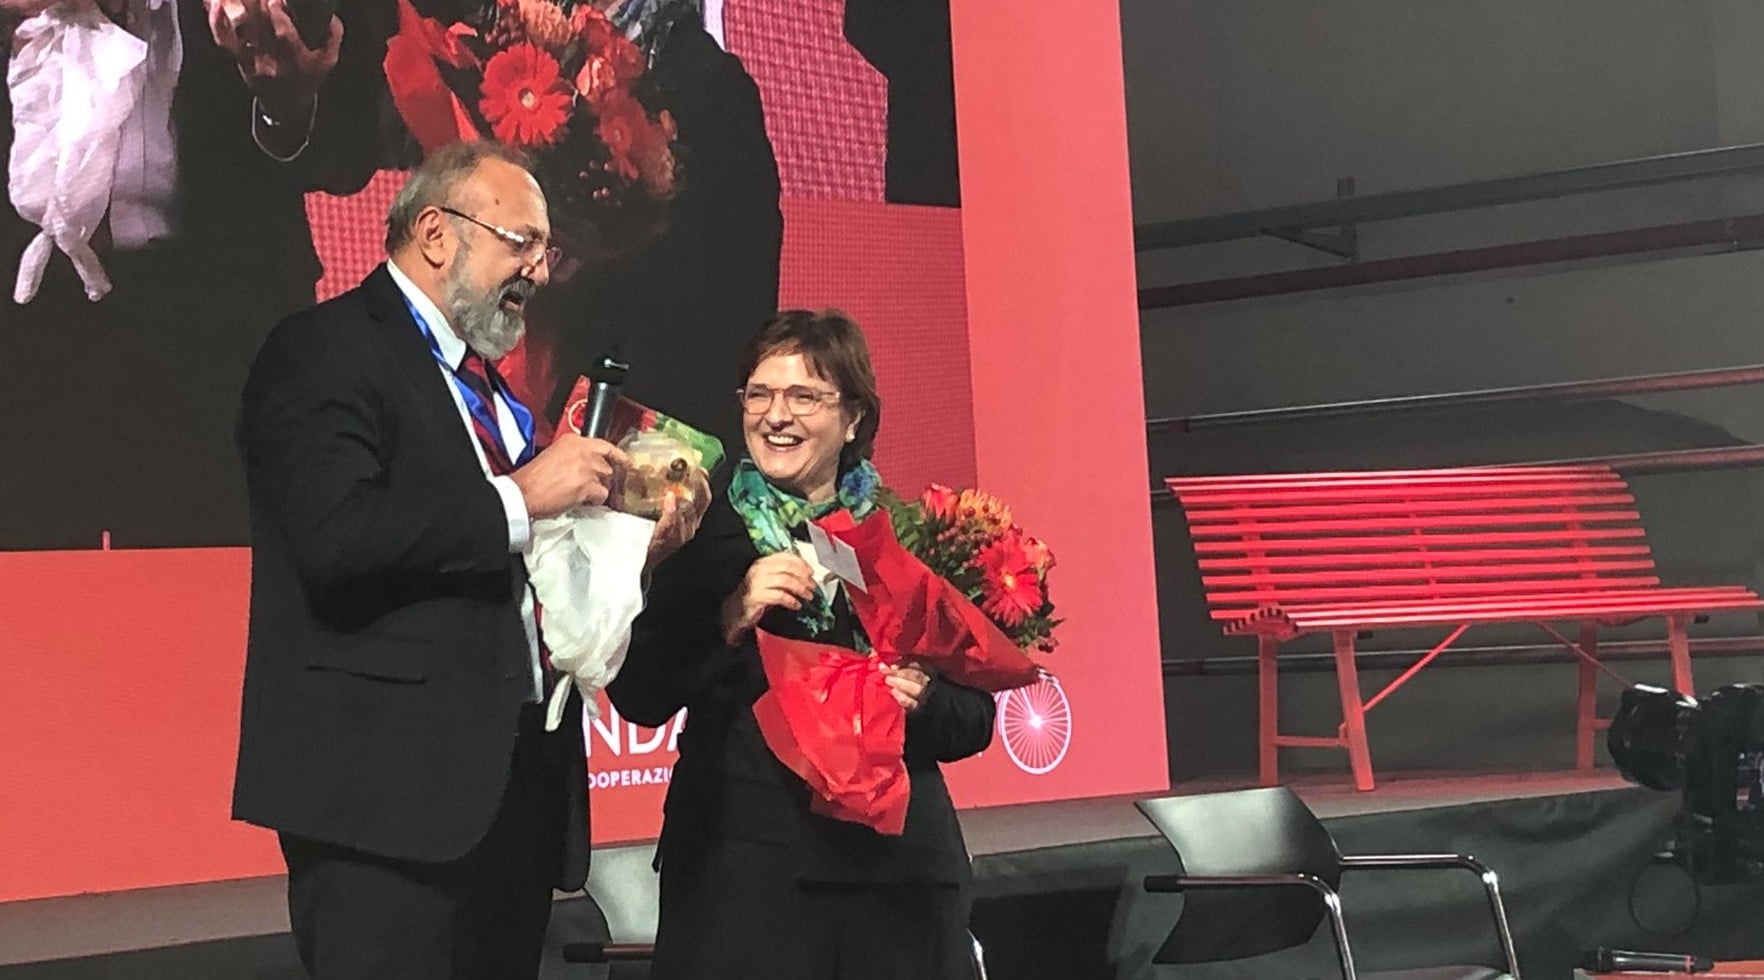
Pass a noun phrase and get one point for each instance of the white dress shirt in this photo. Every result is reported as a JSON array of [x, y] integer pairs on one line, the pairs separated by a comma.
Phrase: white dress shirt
[[142, 196], [520, 529]]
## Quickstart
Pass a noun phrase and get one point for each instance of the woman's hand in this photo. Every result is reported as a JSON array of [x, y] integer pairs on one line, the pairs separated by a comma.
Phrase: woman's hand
[[783, 579], [907, 683]]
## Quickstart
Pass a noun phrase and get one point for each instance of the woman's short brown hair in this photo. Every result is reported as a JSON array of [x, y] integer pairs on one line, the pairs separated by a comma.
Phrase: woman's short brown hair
[[836, 351]]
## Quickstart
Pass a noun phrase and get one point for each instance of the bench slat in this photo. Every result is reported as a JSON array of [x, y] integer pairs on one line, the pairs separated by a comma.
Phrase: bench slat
[[1563, 573], [1415, 554], [1383, 542], [1631, 607], [1308, 594], [1564, 595], [1542, 522], [1353, 492], [1557, 509], [1378, 478], [1594, 600]]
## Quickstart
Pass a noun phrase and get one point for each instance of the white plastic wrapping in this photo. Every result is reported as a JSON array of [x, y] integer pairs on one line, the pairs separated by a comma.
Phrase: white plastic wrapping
[[587, 571], [74, 78]]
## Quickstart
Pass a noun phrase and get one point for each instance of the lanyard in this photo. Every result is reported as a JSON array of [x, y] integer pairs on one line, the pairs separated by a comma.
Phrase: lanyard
[[484, 413]]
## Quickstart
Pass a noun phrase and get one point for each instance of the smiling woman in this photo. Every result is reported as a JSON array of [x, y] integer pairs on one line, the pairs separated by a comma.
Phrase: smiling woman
[[747, 856], [826, 419]]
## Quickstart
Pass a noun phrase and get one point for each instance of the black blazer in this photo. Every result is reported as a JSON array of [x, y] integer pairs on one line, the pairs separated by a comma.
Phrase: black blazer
[[387, 664], [727, 784]]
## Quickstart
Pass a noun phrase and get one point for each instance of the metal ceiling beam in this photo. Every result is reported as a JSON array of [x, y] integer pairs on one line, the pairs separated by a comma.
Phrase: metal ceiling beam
[[1349, 211], [1646, 384], [1721, 234]]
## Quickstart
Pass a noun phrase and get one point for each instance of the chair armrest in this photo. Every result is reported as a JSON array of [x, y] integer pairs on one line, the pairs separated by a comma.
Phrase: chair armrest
[[1491, 886], [1181, 883], [595, 952], [1379, 862]]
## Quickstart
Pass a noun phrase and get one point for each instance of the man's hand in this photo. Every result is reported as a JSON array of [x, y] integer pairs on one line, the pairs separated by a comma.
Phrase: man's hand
[[276, 64], [782, 579], [24, 9], [574, 471], [679, 521]]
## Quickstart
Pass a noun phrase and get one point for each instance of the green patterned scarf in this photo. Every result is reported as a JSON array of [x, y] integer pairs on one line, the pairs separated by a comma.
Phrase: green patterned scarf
[[770, 515]]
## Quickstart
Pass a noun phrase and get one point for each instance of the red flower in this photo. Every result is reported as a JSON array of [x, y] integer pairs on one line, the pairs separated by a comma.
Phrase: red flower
[[603, 39], [1009, 588], [524, 96], [622, 128], [939, 502]]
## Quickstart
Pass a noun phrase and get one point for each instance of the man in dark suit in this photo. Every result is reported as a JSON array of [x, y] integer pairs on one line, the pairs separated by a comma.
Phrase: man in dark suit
[[391, 730], [121, 410]]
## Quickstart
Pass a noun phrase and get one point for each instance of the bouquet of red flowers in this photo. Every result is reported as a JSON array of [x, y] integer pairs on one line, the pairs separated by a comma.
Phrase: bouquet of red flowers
[[950, 584], [969, 538], [557, 78]]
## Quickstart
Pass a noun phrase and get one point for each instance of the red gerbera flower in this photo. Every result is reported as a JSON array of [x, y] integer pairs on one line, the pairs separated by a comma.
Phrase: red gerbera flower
[[1009, 588], [524, 96], [621, 128]]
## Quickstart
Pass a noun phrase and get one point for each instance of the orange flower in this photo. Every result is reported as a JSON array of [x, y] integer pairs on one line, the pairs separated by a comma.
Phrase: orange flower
[[523, 96], [545, 24], [983, 509], [1040, 557]]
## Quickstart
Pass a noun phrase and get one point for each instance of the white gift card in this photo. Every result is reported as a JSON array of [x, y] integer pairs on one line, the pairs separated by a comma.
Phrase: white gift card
[[837, 557]]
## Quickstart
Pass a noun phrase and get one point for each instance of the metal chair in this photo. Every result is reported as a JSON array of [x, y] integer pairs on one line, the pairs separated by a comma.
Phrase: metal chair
[[623, 883], [1260, 871]]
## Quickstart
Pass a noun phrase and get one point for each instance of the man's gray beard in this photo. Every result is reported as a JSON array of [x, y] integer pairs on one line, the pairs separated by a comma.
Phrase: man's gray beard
[[480, 319]]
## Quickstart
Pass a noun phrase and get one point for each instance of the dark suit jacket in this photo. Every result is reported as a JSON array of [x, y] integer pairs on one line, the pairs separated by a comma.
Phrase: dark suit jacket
[[387, 665], [727, 784]]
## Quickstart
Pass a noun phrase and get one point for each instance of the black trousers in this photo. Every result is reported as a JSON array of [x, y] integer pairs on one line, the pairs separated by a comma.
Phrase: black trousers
[[739, 912], [360, 916]]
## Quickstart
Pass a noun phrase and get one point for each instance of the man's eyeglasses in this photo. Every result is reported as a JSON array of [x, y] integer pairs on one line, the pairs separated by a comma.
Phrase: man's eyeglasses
[[529, 249], [800, 400]]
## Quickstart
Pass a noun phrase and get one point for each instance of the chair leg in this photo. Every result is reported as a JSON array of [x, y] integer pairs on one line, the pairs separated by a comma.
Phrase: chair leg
[[1353, 712], [1587, 704], [1268, 706], [1678, 641]]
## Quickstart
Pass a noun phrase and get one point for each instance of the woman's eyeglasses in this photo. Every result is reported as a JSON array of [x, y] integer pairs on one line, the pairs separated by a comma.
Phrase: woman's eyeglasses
[[800, 400]]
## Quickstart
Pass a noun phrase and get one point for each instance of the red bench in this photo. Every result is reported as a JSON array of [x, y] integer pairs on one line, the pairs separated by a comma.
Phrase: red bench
[[1286, 555]]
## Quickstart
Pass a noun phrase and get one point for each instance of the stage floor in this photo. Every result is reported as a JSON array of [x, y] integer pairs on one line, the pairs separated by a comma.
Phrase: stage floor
[[1056, 886], [1037, 825]]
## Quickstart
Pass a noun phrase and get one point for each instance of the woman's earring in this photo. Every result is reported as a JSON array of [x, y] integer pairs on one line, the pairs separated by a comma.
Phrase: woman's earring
[[850, 435]]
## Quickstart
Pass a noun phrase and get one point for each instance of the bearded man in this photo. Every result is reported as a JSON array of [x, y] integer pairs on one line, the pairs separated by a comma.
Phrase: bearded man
[[392, 731]]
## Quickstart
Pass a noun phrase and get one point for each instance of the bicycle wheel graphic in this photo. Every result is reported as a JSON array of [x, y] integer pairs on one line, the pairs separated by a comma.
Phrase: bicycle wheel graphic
[[1035, 723]]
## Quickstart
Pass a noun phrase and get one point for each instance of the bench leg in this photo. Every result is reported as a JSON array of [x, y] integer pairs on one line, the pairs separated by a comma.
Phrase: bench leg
[[1353, 711], [1268, 704], [1678, 641], [1587, 704]]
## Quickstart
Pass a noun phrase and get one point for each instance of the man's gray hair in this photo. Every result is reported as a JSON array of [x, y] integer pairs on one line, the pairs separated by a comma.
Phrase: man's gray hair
[[433, 182]]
